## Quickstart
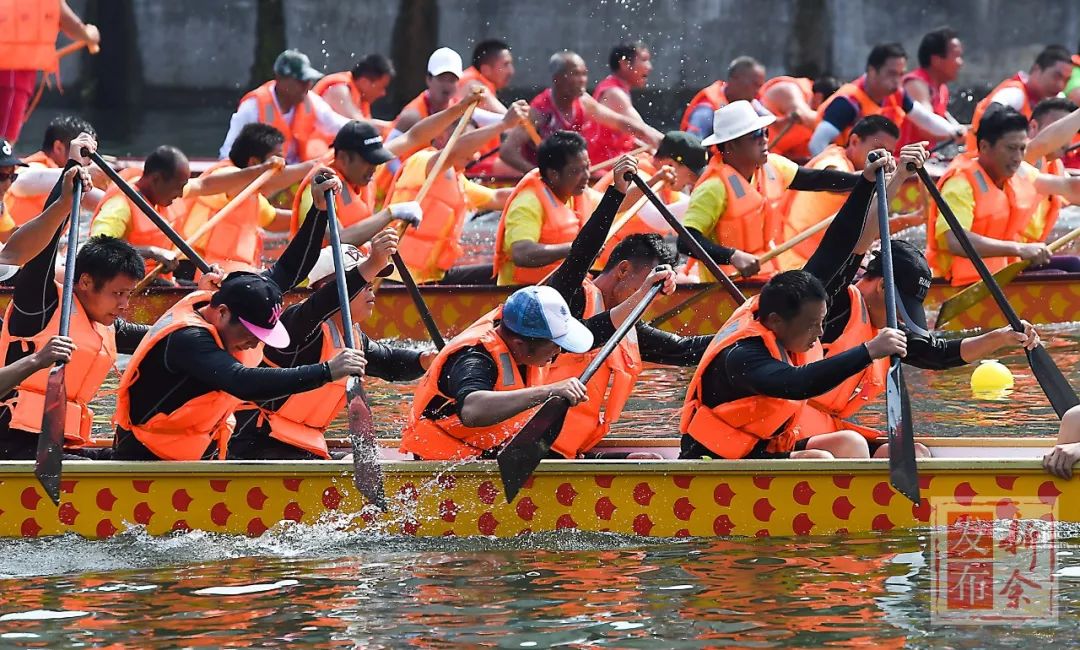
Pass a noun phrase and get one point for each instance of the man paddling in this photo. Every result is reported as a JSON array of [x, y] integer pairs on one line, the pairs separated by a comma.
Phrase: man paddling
[[444, 70], [794, 101], [200, 360], [630, 67], [491, 70], [352, 93], [745, 77], [940, 60]]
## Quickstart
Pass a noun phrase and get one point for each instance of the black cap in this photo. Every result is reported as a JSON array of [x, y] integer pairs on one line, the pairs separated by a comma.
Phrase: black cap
[[912, 275], [256, 302], [7, 157], [685, 148], [364, 139]]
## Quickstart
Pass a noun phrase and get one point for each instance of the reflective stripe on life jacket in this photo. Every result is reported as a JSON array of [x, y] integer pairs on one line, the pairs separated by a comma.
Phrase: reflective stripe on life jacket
[[1000, 213], [732, 429], [446, 438], [233, 243], [94, 356], [712, 95], [561, 225], [1018, 81], [187, 432], [802, 210], [297, 131], [855, 94], [795, 142], [28, 32], [353, 204]]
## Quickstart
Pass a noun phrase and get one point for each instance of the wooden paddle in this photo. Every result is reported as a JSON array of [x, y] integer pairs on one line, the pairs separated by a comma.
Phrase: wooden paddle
[[367, 475], [1061, 395], [71, 48], [153, 216], [903, 472], [213, 221], [611, 161], [792, 119], [534, 135], [50, 448], [627, 215], [776, 251], [523, 453], [978, 292]]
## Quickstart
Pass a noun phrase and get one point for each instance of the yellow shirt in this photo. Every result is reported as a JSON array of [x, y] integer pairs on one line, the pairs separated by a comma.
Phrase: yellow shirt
[[1033, 232], [7, 224], [524, 221], [113, 218]]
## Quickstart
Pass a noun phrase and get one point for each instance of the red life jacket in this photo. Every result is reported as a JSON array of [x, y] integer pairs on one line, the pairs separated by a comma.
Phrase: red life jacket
[[606, 143]]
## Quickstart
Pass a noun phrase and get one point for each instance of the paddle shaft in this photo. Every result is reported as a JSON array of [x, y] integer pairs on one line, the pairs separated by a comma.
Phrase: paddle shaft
[[620, 333], [530, 129], [339, 269], [611, 161], [699, 252], [69, 259], [153, 216]]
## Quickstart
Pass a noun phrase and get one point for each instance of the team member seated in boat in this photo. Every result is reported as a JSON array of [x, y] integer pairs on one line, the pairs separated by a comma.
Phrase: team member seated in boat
[[491, 70], [1053, 127], [877, 92], [565, 106], [443, 73], [794, 101], [352, 93], [940, 60], [292, 427], [483, 386], [745, 77], [287, 103], [734, 210], [434, 247], [26, 198], [199, 361], [994, 195], [161, 182], [1021, 92], [630, 68]]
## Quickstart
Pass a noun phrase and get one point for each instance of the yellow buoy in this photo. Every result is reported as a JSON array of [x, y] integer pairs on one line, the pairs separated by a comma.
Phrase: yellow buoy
[[991, 380]]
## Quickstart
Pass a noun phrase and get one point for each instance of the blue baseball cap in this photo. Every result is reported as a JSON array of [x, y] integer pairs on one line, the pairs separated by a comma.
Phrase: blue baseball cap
[[541, 313]]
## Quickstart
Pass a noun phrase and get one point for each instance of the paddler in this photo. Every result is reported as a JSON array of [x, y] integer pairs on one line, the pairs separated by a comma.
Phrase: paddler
[[1053, 127], [287, 103], [745, 77], [352, 93], [443, 73], [794, 101], [941, 56], [565, 106], [877, 92], [994, 195], [293, 427], [491, 70], [630, 67], [200, 360], [1047, 77], [734, 210]]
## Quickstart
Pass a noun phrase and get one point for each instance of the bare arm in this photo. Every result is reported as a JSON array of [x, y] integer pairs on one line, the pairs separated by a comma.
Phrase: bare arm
[[74, 28], [984, 246], [423, 132], [13, 374], [229, 181], [530, 254], [788, 98], [611, 119], [510, 151], [488, 102], [918, 91], [1067, 187], [288, 176], [32, 237], [340, 100], [1053, 137], [361, 233]]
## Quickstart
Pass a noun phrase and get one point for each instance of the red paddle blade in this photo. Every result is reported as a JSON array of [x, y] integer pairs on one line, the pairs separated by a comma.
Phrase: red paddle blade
[[367, 475], [50, 451]]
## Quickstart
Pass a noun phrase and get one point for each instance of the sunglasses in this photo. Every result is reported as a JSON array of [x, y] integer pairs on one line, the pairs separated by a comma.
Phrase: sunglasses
[[760, 134], [10, 176]]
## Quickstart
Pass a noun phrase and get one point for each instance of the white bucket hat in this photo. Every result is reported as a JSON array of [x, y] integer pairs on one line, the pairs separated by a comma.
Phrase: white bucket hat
[[734, 121]]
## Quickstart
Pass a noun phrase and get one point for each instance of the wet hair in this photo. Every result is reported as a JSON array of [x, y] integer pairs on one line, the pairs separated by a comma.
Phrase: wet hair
[[1051, 56], [65, 128], [103, 258], [1050, 105], [557, 150], [624, 52], [742, 64], [164, 161], [999, 120], [874, 124], [256, 140], [486, 51], [373, 66], [642, 248], [826, 85], [786, 293], [935, 43], [560, 61], [882, 52]]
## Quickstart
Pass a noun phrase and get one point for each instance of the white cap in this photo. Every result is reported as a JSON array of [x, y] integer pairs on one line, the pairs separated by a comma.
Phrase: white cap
[[444, 60], [324, 266], [734, 121], [540, 312]]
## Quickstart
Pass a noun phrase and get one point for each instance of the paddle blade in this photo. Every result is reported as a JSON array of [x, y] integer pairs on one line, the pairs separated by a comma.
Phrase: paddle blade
[[976, 293], [520, 457], [1058, 390], [903, 473], [367, 474], [50, 451]]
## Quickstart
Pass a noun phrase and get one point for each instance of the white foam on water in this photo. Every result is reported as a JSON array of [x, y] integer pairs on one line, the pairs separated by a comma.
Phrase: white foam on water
[[240, 590], [18, 635], [625, 625], [43, 615], [676, 588], [1068, 572]]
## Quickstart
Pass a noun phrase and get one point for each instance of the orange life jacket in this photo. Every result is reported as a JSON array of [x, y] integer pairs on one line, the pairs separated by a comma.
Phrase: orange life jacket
[[712, 95], [732, 429], [999, 213], [24, 208], [473, 75], [587, 423], [187, 432], [234, 243], [561, 225], [354, 204], [94, 356], [303, 419], [434, 247], [752, 221], [855, 93], [939, 104], [1039, 229], [795, 143], [1017, 81], [447, 438], [28, 32], [343, 79], [141, 231], [418, 104], [826, 413], [802, 210], [298, 130]]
